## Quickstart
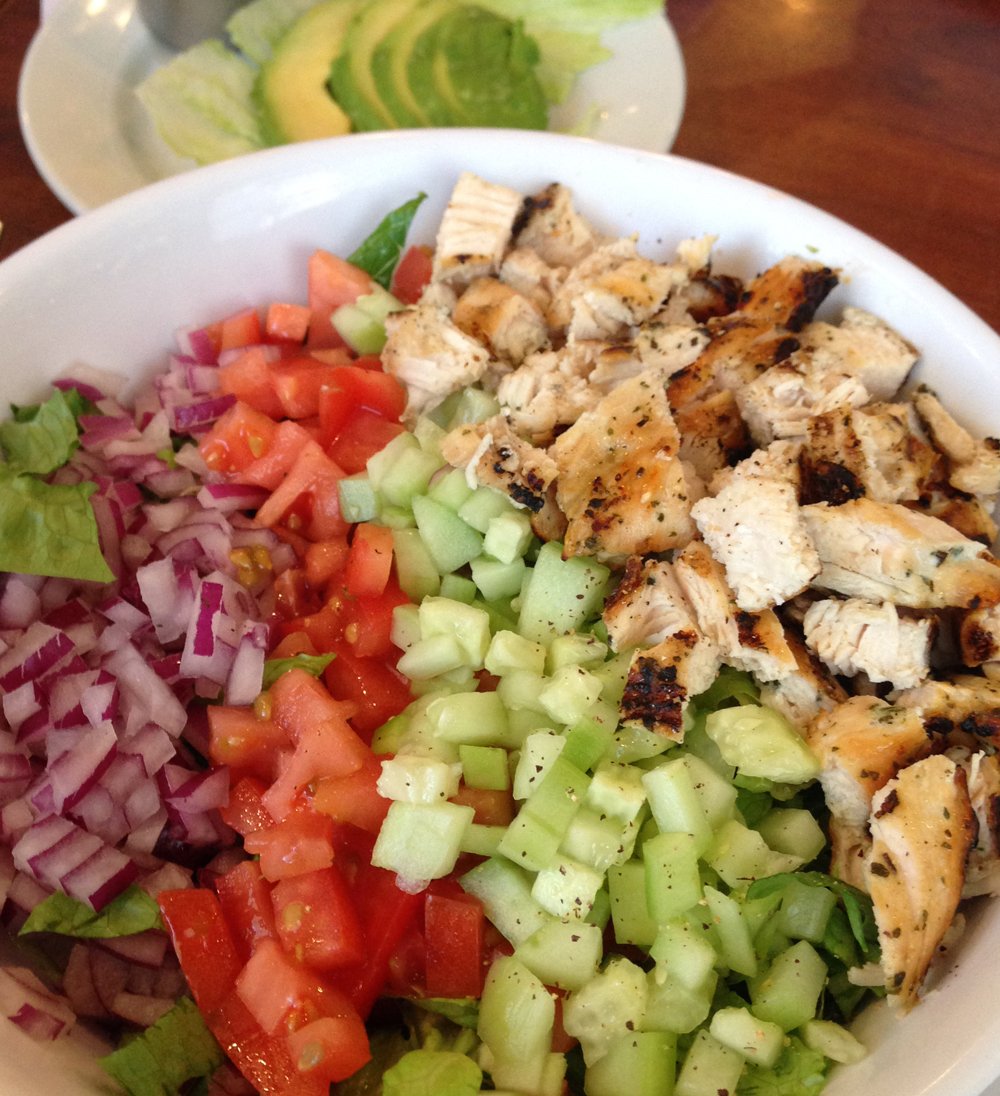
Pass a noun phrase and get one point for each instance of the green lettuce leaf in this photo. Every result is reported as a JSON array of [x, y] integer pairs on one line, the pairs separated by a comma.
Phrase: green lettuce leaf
[[433, 1073], [256, 27], [799, 1071], [41, 438], [312, 664], [162, 1060], [130, 912], [380, 251]]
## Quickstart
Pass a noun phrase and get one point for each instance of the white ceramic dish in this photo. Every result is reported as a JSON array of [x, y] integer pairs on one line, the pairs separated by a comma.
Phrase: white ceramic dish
[[92, 140], [109, 289]]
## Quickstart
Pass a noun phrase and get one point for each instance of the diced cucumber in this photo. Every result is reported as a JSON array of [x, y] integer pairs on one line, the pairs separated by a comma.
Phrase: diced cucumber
[[378, 464], [358, 499], [740, 855], [458, 588], [469, 718], [560, 595], [567, 888], [408, 476], [509, 651], [429, 436], [611, 1004], [485, 767], [754, 1039], [761, 742], [450, 489], [538, 753], [577, 649], [482, 840], [558, 795], [587, 741], [521, 689], [674, 801], [505, 892], [673, 1006], [405, 626], [786, 993], [497, 579], [468, 624], [482, 506], [683, 950], [362, 324], [516, 1017], [472, 405], [569, 694], [598, 840], [420, 842], [508, 536], [629, 910], [411, 779], [805, 911], [732, 932], [832, 1041], [530, 841], [429, 658], [709, 1068], [673, 879], [563, 953], [617, 791], [450, 542], [794, 831], [639, 1064], [415, 568]]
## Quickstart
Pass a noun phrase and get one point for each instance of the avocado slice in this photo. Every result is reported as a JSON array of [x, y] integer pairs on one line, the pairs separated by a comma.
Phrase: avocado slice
[[351, 77], [291, 88], [475, 68], [391, 59]]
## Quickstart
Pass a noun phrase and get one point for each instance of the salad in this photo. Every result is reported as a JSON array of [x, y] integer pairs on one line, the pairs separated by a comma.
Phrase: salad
[[393, 682]]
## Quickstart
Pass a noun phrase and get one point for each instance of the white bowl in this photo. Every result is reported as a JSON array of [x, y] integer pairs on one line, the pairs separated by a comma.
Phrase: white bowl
[[110, 288]]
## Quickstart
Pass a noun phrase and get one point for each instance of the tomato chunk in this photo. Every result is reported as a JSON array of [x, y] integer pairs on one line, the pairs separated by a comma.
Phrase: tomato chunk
[[203, 943], [316, 920], [453, 932]]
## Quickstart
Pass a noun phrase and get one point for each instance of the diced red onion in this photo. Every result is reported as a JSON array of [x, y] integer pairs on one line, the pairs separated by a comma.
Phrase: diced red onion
[[30, 1004], [40, 650], [148, 949], [231, 497], [19, 601], [76, 770]]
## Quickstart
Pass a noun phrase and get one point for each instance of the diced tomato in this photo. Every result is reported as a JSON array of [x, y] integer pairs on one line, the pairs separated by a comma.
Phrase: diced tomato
[[294, 596], [294, 643], [377, 691], [364, 434], [316, 920], [301, 842], [248, 377], [300, 703], [332, 1048], [368, 622], [332, 282], [238, 438], [242, 328], [244, 741], [287, 322], [492, 807], [354, 798], [245, 812], [203, 943], [324, 559], [286, 442], [245, 899], [352, 386], [453, 933], [369, 562], [412, 273], [310, 484]]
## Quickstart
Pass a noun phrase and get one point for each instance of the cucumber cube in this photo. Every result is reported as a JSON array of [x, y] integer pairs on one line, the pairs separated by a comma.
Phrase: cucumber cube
[[567, 888], [408, 476], [761, 742], [530, 842], [587, 741], [458, 588], [429, 436], [358, 500], [563, 953], [451, 488], [674, 801], [560, 595], [794, 831], [611, 1004], [516, 1012], [497, 579], [420, 842], [482, 840], [740, 855], [569, 694], [521, 689], [505, 892], [805, 911], [832, 1041], [673, 1006], [469, 718], [485, 767], [431, 657], [411, 779], [473, 405], [732, 932], [640, 1064], [508, 536], [786, 994], [709, 1068], [405, 626], [629, 910], [450, 542], [482, 506], [617, 791], [598, 840], [508, 652], [379, 463], [754, 1039], [685, 952], [538, 753], [558, 795], [468, 624], [576, 649], [418, 576], [673, 879]]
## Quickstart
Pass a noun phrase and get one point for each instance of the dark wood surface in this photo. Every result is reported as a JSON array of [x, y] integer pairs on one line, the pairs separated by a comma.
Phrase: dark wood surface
[[883, 112]]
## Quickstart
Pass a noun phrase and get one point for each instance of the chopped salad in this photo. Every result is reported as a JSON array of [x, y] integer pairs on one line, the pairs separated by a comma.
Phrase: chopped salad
[[395, 695]]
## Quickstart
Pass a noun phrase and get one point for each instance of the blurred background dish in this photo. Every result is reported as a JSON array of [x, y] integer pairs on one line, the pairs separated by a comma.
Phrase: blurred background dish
[[91, 139]]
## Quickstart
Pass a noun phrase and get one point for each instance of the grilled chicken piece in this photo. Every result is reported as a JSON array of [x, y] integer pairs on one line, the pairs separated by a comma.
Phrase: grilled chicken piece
[[872, 450], [622, 485], [922, 828], [431, 356], [526, 271], [754, 642], [835, 366], [963, 710], [647, 605], [761, 332], [974, 463], [979, 636], [669, 346], [713, 433], [861, 745], [982, 872], [885, 551], [804, 692], [855, 636], [507, 322], [492, 454], [550, 225], [968, 515], [755, 530], [475, 230]]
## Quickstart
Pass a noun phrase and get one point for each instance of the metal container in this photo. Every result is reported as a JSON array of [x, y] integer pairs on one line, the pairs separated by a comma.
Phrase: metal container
[[181, 23]]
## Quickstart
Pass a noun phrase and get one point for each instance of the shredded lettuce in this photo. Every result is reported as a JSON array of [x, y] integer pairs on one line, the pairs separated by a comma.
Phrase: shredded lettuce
[[312, 664], [798, 1072], [161, 1061], [379, 253], [46, 529], [433, 1073], [130, 912]]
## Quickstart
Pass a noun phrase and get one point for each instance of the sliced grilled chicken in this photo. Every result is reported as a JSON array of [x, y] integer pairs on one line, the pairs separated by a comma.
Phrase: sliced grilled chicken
[[862, 744], [974, 463], [663, 678], [647, 605], [493, 455], [801, 694], [526, 271], [961, 710], [754, 642], [922, 828], [510, 324], [979, 636], [886, 551], [475, 230], [982, 872], [854, 636], [755, 529], [550, 225], [622, 484]]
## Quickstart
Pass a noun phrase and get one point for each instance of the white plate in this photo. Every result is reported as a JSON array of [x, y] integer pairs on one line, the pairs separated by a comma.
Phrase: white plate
[[92, 141], [109, 289]]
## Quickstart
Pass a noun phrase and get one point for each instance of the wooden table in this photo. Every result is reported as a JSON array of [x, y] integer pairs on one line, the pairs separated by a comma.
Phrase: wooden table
[[883, 112]]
